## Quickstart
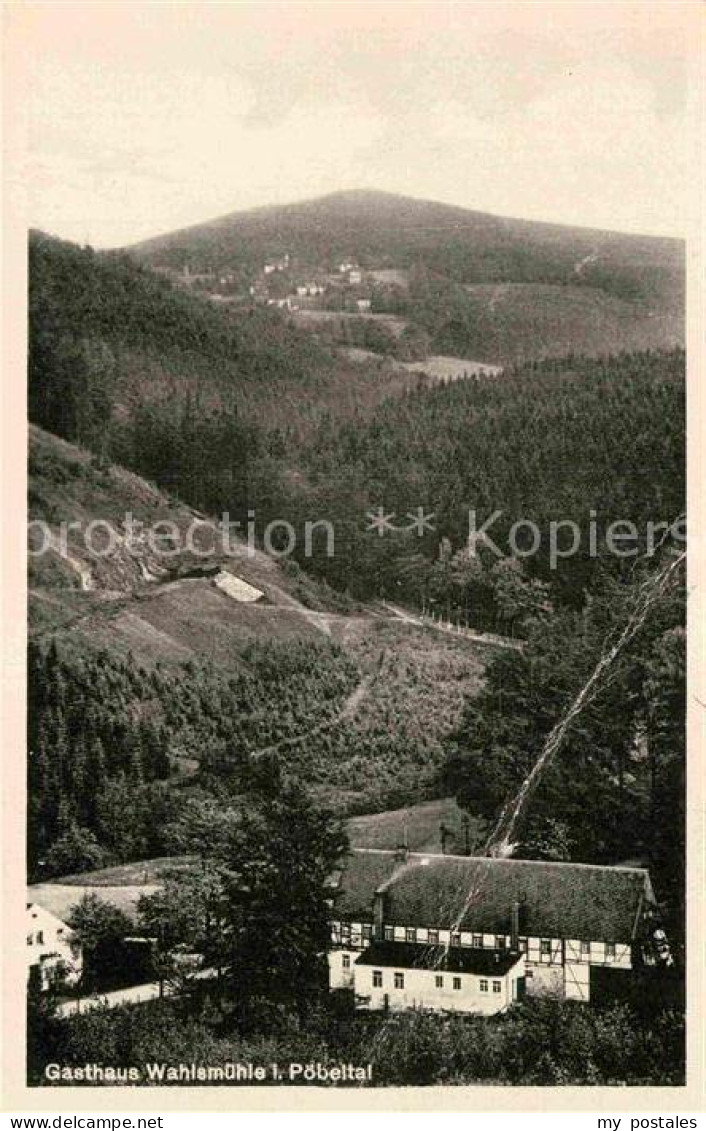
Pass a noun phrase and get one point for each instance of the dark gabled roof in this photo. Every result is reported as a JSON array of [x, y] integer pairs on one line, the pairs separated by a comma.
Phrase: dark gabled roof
[[364, 870], [576, 901], [457, 959]]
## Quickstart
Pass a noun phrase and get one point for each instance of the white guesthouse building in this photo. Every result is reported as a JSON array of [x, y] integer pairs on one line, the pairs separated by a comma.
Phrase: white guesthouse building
[[52, 951], [474, 934]]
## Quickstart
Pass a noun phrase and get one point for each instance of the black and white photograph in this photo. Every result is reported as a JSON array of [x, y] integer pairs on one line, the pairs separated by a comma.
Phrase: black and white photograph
[[355, 545]]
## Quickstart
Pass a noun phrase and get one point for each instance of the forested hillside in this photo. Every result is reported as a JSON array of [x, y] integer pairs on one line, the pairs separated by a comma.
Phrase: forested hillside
[[616, 789], [573, 440], [110, 742], [229, 411], [511, 322], [361, 722]]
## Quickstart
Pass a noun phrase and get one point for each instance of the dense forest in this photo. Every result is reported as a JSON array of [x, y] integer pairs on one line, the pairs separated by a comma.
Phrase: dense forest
[[575, 439], [616, 789], [110, 742]]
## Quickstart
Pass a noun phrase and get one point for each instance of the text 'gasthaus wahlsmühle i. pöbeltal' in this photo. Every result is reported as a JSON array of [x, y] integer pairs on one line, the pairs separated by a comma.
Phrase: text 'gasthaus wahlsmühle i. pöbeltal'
[[245, 1073]]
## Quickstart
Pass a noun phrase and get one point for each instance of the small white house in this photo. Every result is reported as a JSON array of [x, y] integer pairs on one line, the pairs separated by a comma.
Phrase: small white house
[[53, 953], [398, 976], [363, 305]]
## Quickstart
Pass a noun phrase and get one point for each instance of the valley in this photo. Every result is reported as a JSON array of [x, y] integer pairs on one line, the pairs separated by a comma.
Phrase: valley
[[156, 408], [354, 675], [220, 698]]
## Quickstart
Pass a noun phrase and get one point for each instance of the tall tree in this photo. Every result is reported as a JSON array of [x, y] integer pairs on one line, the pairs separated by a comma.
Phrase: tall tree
[[255, 905]]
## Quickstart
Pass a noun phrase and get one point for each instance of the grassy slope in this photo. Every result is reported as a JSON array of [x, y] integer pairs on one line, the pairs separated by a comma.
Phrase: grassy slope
[[159, 619], [390, 751], [387, 747]]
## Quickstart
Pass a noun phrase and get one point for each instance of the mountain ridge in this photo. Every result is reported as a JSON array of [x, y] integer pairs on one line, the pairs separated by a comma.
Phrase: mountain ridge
[[369, 196]]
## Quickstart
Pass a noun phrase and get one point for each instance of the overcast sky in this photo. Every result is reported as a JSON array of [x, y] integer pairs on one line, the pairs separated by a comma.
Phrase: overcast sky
[[141, 118]]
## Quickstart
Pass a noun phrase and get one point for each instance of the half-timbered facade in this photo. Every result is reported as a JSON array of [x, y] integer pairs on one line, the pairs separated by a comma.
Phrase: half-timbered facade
[[561, 920]]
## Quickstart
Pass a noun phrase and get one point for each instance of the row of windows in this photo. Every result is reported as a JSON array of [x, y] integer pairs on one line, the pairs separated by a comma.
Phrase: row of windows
[[366, 932], [411, 936], [501, 941], [456, 982], [38, 938]]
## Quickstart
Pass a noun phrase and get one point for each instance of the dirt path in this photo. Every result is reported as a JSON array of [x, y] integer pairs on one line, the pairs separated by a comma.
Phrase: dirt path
[[79, 567], [348, 711], [129, 995], [421, 620], [500, 292]]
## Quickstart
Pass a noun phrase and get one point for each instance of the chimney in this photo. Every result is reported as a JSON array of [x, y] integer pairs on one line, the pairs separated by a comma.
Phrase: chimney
[[379, 916], [515, 927]]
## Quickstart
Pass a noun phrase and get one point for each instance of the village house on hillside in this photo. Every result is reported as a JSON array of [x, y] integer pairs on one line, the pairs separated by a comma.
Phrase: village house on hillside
[[474, 934], [189, 276], [277, 265]]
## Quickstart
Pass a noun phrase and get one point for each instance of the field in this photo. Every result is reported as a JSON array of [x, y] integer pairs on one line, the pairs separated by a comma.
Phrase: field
[[519, 321], [417, 826], [444, 368], [390, 322]]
